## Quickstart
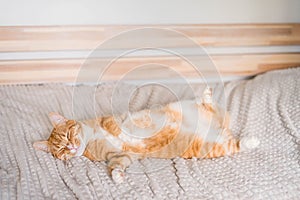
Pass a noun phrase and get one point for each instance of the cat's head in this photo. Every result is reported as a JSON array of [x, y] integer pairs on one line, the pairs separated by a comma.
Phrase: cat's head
[[64, 141]]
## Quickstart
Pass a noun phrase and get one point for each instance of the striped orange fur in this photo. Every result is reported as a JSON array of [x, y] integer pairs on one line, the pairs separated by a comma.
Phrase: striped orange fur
[[109, 124]]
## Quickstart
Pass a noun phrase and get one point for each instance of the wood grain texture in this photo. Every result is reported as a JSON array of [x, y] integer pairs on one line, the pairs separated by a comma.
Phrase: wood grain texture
[[52, 38], [66, 70]]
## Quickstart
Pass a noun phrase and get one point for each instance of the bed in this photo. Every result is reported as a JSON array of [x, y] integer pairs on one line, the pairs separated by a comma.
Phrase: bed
[[266, 106]]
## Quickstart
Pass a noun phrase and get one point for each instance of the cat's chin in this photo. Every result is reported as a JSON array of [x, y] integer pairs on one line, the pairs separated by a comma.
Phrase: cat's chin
[[81, 148]]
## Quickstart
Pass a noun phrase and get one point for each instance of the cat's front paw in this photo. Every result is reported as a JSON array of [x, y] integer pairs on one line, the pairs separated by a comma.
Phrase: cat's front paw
[[118, 175]]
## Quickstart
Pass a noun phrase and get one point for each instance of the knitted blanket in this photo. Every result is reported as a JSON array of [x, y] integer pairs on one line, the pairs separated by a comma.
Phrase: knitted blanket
[[267, 106]]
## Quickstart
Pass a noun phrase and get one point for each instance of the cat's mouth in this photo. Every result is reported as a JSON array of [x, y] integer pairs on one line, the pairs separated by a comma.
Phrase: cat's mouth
[[73, 148]]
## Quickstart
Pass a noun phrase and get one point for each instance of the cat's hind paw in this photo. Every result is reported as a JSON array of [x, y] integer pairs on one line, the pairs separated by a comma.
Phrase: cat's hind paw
[[118, 175], [207, 96], [249, 143]]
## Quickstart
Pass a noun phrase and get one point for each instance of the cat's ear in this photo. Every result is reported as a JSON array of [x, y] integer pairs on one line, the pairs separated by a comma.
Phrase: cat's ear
[[41, 145], [57, 119]]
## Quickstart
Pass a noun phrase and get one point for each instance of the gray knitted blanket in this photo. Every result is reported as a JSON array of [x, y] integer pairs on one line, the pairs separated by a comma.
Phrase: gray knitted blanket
[[267, 106]]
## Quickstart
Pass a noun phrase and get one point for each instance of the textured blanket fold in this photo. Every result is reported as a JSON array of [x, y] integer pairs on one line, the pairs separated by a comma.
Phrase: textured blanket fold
[[267, 106]]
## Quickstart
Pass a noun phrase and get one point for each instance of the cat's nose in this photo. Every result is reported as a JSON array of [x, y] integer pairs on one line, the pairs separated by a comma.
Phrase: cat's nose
[[72, 146]]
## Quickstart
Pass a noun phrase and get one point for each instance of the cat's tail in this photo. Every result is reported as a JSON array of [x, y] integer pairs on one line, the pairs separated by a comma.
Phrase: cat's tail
[[249, 143]]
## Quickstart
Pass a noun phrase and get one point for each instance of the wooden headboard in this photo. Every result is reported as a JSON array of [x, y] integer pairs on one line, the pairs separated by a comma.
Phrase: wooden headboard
[[56, 53]]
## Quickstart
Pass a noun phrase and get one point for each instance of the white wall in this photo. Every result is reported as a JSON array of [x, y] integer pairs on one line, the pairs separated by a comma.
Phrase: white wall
[[61, 12]]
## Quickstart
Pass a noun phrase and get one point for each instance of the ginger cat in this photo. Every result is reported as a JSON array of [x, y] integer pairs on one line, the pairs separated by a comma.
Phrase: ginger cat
[[185, 128]]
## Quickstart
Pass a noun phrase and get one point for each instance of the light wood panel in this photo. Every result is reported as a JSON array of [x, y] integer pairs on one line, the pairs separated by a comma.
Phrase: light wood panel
[[66, 70], [73, 38], [51, 38]]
